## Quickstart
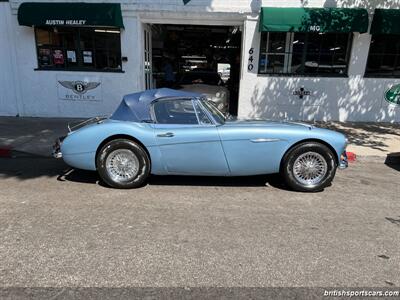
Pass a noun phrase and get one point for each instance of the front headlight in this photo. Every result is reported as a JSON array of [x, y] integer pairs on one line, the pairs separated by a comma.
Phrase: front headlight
[[221, 106], [220, 95]]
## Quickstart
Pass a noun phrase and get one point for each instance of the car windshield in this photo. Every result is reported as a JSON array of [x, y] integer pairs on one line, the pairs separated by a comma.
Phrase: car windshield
[[214, 111], [209, 78]]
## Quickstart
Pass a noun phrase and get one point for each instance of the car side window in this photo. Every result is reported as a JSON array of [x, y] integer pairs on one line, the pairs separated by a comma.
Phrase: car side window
[[175, 112]]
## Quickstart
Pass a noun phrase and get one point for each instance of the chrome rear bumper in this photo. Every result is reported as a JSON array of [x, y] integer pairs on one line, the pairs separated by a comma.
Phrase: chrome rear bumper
[[57, 147]]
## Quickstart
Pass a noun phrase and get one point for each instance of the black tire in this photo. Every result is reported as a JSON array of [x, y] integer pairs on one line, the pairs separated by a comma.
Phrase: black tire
[[143, 164], [287, 168]]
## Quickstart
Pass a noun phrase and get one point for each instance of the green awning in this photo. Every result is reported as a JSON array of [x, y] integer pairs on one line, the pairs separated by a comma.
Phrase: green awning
[[313, 19], [70, 14], [386, 21]]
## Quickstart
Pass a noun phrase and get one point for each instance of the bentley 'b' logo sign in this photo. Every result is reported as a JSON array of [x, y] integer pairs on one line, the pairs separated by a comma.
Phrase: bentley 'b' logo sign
[[79, 87]]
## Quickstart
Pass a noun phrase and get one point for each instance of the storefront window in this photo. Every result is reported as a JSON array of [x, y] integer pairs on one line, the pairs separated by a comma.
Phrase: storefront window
[[78, 48], [384, 56], [305, 53]]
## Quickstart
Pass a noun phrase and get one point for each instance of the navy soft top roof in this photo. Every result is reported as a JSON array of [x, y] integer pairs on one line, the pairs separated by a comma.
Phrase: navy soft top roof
[[136, 107]]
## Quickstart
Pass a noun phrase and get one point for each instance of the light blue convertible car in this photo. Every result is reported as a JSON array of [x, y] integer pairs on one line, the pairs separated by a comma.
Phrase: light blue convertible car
[[169, 132]]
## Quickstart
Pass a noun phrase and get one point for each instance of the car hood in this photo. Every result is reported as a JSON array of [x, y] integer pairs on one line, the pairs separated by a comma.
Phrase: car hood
[[203, 88]]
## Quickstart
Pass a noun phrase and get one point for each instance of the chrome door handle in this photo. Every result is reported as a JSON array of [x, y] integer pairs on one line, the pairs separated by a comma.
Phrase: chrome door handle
[[168, 134]]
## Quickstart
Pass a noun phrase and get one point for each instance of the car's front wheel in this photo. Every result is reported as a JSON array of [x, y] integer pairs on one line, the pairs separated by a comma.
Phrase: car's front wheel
[[309, 167], [123, 164]]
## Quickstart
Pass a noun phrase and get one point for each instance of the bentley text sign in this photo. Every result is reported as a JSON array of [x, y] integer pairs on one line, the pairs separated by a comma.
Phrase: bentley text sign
[[79, 88]]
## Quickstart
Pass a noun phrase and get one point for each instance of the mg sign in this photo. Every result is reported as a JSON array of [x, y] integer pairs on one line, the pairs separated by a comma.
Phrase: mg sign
[[315, 28]]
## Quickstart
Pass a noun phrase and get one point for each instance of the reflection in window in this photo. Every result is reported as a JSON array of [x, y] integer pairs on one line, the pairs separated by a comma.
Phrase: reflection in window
[[203, 118], [78, 48], [305, 53], [384, 56], [175, 112]]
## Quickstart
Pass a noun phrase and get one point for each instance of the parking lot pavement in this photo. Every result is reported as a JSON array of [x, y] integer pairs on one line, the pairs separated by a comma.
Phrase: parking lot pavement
[[60, 227]]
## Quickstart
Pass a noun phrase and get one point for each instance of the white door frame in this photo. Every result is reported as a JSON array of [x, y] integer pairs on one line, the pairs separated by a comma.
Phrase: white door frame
[[225, 19], [147, 58]]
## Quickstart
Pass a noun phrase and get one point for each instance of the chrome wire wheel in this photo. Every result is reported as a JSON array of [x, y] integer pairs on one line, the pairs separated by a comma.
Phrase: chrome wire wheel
[[310, 168], [122, 165]]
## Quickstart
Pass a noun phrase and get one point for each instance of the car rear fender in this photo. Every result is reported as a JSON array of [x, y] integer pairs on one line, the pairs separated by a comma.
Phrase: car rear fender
[[85, 143]]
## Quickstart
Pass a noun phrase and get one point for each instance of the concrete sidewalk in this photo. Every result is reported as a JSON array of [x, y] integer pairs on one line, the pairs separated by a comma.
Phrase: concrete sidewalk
[[37, 135], [369, 139], [32, 135]]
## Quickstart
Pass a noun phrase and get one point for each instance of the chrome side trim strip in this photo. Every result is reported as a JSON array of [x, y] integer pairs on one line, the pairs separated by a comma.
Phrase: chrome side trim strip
[[264, 140]]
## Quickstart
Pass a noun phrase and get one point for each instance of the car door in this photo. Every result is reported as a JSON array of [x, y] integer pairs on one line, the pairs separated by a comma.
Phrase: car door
[[252, 149], [188, 141]]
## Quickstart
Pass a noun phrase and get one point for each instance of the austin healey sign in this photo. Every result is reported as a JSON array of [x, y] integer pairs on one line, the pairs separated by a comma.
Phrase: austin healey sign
[[66, 22]]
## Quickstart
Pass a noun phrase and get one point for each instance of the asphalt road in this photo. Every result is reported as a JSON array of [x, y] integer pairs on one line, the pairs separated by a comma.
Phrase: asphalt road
[[62, 228]]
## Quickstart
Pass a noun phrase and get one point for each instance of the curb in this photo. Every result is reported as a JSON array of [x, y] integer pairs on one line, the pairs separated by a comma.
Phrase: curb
[[6, 152], [393, 159], [389, 160], [351, 157], [12, 153]]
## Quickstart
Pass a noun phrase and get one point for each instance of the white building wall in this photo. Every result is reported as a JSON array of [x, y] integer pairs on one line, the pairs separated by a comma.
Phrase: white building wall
[[236, 6], [39, 88], [345, 99], [8, 79], [34, 93]]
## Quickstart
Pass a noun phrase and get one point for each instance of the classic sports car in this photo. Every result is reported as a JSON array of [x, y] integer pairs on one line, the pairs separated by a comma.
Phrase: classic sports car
[[209, 84], [167, 132]]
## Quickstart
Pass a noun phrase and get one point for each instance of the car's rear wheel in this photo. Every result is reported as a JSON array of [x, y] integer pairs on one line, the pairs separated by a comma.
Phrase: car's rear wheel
[[309, 167], [123, 164]]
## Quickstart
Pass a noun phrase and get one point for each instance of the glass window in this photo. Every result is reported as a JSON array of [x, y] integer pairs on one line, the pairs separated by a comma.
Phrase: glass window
[[214, 111], [273, 53], [203, 118], [384, 56], [175, 112], [78, 48], [305, 53]]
